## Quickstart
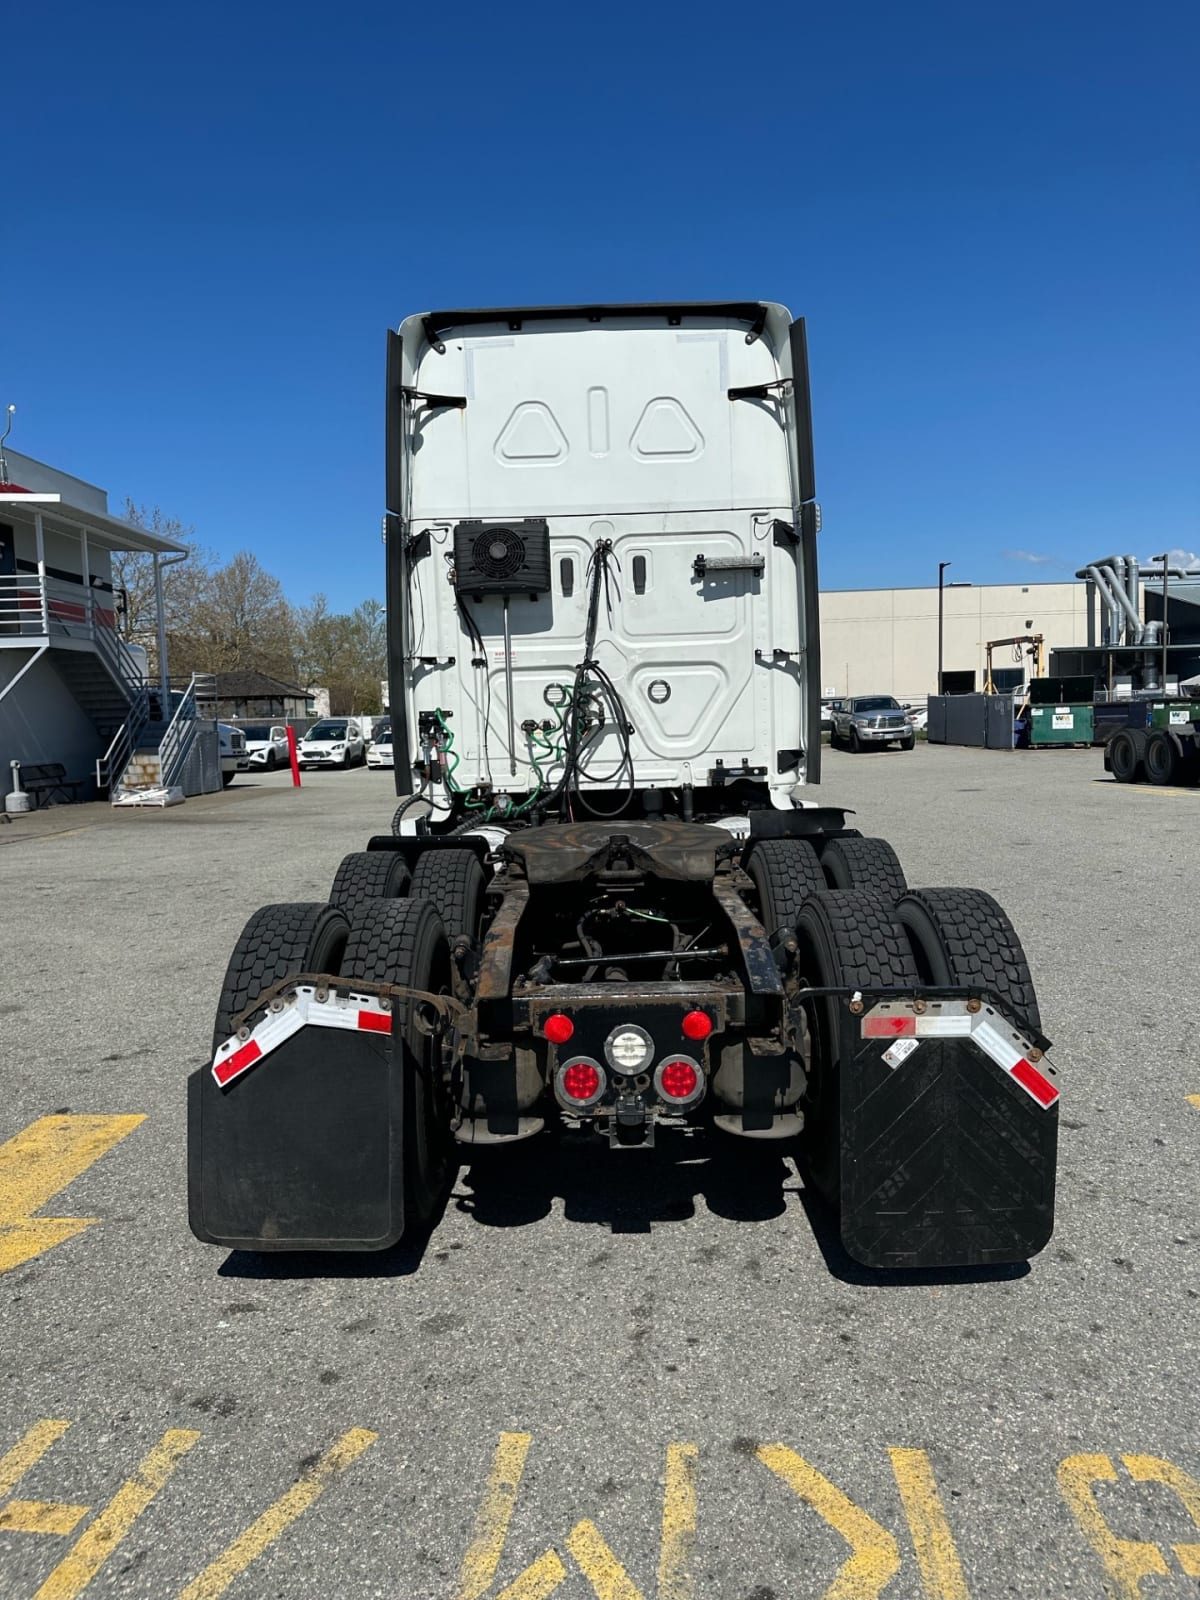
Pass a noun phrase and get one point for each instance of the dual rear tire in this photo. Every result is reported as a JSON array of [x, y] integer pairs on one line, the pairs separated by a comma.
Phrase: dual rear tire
[[380, 940]]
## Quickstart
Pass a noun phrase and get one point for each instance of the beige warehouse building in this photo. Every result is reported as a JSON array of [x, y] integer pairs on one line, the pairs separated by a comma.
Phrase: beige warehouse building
[[885, 641]]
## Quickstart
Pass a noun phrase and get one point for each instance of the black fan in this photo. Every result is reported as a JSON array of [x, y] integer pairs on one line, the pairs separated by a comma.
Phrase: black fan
[[505, 558]]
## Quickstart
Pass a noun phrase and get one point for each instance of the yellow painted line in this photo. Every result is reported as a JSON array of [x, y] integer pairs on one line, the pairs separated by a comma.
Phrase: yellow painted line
[[41, 1516], [598, 1564], [1127, 1561], [1194, 1100], [678, 1524], [874, 1558], [28, 1451], [491, 1525], [1152, 1469], [537, 1581], [263, 1532], [937, 1557], [39, 1162], [104, 1533]]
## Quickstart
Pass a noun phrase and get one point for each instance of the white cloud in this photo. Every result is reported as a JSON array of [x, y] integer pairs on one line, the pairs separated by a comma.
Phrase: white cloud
[[1031, 556], [1175, 558]]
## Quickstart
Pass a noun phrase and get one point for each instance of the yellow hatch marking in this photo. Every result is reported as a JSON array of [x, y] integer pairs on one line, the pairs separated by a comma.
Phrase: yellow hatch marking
[[937, 1556]]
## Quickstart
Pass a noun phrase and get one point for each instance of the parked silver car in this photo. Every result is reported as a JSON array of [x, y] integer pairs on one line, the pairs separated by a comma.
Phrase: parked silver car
[[871, 719]]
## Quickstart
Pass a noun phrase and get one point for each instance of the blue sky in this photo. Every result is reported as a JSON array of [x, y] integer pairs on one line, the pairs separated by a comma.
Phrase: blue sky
[[988, 213]]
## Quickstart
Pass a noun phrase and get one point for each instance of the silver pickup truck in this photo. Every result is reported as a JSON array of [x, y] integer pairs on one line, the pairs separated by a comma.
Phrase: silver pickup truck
[[871, 719]]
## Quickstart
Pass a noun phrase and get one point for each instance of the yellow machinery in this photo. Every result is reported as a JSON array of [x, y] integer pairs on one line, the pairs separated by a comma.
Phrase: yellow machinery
[[1036, 653]]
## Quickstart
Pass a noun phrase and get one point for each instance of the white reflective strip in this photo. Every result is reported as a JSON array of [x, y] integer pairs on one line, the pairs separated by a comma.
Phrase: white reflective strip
[[1001, 1050], [944, 1025], [339, 1011]]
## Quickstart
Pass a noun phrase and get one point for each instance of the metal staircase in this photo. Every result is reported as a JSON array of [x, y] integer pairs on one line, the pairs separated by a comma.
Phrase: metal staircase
[[149, 751]]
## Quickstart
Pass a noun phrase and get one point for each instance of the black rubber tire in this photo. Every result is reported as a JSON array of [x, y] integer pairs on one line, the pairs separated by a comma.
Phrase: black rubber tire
[[847, 939], [227, 778], [369, 875], [454, 881], [910, 743], [272, 761], [1162, 761], [856, 744], [869, 865], [1123, 760], [404, 942], [963, 936], [278, 940], [785, 872]]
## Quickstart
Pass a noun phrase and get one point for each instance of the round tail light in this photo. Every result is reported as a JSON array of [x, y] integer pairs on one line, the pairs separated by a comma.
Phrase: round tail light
[[697, 1025], [679, 1080], [558, 1028], [579, 1083]]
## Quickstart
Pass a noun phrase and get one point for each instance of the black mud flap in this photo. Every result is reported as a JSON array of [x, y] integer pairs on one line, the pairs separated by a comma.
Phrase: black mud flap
[[302, 1152], [947, 1160]]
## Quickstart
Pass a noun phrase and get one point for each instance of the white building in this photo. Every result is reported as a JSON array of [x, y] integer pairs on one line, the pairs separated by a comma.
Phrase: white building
[[885, 641]]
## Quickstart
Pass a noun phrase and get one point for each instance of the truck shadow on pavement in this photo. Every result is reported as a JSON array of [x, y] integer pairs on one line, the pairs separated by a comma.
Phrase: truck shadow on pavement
[[625, 1191]]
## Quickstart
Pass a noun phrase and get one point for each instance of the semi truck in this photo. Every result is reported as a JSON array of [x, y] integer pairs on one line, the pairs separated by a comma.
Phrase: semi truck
[[611, 902]]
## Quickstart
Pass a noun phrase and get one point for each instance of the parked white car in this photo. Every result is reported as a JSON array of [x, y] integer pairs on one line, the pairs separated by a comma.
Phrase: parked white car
[[333, 742], [380, 754], [266, 744], [234, 758]]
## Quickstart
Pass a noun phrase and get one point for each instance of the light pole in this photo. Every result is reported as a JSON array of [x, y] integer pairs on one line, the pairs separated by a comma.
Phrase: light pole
[[1163, 559], [942, 565]]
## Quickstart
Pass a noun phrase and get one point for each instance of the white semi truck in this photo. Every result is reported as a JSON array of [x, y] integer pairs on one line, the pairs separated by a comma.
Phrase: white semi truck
[[610, 897]]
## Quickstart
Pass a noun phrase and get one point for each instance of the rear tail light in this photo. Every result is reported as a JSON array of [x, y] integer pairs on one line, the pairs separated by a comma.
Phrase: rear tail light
[[558, 1028], [697, 1025], [580, 1083], [679, 1080]]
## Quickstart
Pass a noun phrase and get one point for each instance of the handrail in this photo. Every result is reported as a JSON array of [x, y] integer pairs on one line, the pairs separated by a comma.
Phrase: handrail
[[177, 741], [110, 767]]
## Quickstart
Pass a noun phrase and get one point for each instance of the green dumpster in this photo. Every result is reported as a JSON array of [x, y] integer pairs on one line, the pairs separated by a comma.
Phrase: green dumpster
[[1071, 724], [1176, 714]]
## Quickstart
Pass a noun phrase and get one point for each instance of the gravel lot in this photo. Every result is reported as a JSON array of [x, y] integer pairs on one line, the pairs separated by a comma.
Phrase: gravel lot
[[613, 1309]]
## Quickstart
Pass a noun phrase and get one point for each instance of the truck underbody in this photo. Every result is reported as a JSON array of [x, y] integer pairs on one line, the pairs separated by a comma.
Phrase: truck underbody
[[682, 945]]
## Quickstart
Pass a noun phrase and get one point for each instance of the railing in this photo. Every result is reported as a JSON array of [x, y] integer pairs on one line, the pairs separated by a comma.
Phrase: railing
[[33, 607], [110, 767], [180, 735]]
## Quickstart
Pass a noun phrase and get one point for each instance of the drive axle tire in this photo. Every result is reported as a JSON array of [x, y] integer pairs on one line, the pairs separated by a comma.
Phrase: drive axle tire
[[847, 940], [369, 875], [961, 936], [785, 872], [869, 865], [453, 881], [1123, 760], [277, 942], [404, 942], [1162, 759], [909, 744]]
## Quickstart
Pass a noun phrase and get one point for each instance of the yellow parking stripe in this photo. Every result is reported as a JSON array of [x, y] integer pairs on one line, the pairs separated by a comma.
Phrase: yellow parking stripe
[[264, 1531], [102, 1536], [35, 1165], [937, 1557], [28, 1451], [491, 1524], [678, 1524]]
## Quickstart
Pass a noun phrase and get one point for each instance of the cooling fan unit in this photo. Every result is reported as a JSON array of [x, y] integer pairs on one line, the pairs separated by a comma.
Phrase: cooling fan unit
[[503, 558]]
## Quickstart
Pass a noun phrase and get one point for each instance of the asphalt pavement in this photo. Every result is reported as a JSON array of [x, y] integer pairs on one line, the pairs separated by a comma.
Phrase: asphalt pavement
[[616, 1375]]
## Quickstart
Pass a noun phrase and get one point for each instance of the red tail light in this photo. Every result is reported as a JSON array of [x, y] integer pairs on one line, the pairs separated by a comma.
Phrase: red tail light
[[697, 1025], [679, 1080], [558, 1028], [580, 1083]]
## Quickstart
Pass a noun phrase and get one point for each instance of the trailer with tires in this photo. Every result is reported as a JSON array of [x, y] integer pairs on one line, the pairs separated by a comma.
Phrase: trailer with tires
[[610, 900], [1165, 752]]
